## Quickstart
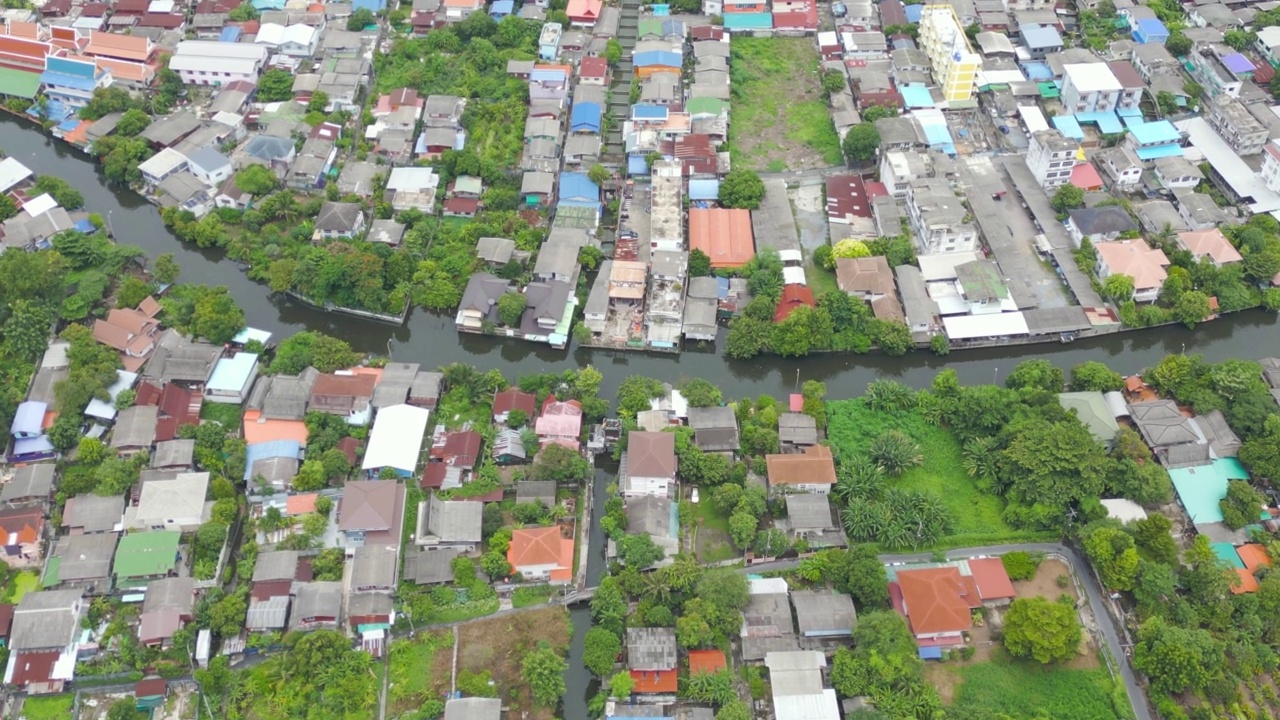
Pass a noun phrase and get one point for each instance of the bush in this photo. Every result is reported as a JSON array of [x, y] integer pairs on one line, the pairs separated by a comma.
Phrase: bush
[[1020, 565]]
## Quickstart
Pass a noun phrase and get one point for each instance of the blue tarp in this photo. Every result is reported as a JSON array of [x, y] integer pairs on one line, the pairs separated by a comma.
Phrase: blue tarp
[[748, 21], [1035, 70], [916, 96], [85, 227], [1068, 126], [502, 8], [1107, 121], [930, 653], [938, 137], [704, 189], [637, 165], [375, 6], [661, 10], [230, 34]]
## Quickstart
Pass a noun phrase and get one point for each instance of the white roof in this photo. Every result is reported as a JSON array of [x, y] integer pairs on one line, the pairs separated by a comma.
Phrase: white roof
[[107, 410], [943, 267], [276, 34], [219, 50], [12, 172], [1000, 77], [816, 706], [767, 586], [396, 438], [163, 162], [1116, 404], [37, 206], [970, 327], [794, 276], [1124, 510], [412, 178], [1269, 36], [1092, 77], [1033, 118], [209, 63], [1244, 181], [160, 6]]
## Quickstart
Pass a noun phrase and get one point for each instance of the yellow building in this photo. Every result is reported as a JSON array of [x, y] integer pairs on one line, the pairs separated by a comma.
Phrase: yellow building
[[955, 64]]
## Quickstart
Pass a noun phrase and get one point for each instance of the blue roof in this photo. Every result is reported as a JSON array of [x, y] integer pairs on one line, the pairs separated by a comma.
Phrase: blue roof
[[502, 7], [722, 287], [68, 66], [1106, 121], [704, 189], [545, 75], [233, 373], [637, 165], [916, 96], [70, 124], [748, 21], [914, 12], [664, 58], [1068, 126], [373, 5], [1126, 113], [661, 10], [265, 450], [1161, 131], [1151, 28], [29, 419], [1201, 487], [1155, 152], [267, 4], [1034, 70], [647, 111], [936, 134], [75, 82], [1040, 36], [577, 186], [85, 226], [585, 116], [231, 33]]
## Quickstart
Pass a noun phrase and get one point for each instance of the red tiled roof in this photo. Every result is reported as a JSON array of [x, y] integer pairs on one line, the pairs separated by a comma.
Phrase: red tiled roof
[[1253, 556], [723, 234], [1248, 583], [814, 466], [542, 546], [125, 47], [936, 600], [349, 446], [593, 67], [151, 687], [793, 296], [707, 32], [267, 589], [1086, 177], [992, 580], [655, 681], [706, 661], [513, 399], [461, 206]]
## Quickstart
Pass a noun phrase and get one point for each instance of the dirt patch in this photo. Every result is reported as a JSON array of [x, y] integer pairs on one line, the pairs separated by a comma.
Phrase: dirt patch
[[500, 644], [945, 677], [1045, 583]]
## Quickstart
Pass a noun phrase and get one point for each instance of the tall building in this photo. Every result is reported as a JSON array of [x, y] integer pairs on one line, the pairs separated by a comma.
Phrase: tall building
[[955, 64]]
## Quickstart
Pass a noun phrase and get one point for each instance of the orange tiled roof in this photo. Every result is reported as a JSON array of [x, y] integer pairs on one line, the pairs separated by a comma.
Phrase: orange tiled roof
[[1253, 556], [268, 430], [1248, 583], [301, 504], [706, 661], [655, 681], [126, 70], [542, 546]]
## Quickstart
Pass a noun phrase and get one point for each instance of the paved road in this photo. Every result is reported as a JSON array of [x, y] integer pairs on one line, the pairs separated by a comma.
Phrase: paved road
[[1097, 601]]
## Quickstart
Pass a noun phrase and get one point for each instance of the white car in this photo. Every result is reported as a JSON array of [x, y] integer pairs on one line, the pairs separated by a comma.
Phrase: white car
[[693, 496]]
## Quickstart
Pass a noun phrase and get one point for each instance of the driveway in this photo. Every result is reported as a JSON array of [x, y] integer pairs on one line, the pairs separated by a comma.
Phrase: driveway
[[811, 216], [1137, 698]]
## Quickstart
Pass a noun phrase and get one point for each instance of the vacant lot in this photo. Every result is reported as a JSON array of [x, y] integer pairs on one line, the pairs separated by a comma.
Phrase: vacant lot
[[779, 119], [499, 645], [1004, 686], [410, 661], [47, 707]]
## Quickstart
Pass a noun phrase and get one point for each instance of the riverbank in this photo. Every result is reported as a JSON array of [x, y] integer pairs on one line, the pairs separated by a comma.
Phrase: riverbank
[[432, 340]]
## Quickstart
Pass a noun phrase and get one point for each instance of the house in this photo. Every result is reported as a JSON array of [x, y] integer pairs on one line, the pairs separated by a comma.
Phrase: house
[[129, 331], [93, 514], [72, 82], [425, 389], [824, 613], [797, 429], [1177, 173], [174, 455], [413, 187], [316, 605], [812, 471], [767, 625], [1220, 70], [938, 604], [453, 524], [809, 518], [174, 504], [22, 533], [796, 678], [1099, 224], [541, 554], [715, 429], [655, 516], [723, 234], [396, 440], [1146, 265], [82, 561], [1051, 157], [373, 569], [941, 222], [583, 13], [650, 465], [135, 429], [343, 393], [145, 556], [393, 387], [1162, 425], [232, 378], [652, 660], [495, 252], [339, 220], [43, 640], [298, 40], [209, 166], [169, 604], [205, 62], [478, 308], [1235, 124], [793, 296], [30, 485], [473, 708], [1211, 245], [955, 64], [593, 71], [1121, 165], [371, 512], [538, 492], [866, 278], [425, 566], [1090, 87], [506, 401]]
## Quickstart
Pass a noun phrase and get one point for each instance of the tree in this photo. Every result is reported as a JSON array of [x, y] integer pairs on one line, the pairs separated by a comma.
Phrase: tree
[[814, 394], [850, 248], [1178, 43], [1191, 308], [1153, 536], [134, 121], [26, 331], [742, 529], [244, 12], [894, 338], [165, 269], [126, 709], [315, 349], [61, 190], [543, 671], [360, 19], [701, 394], [216, 316], [608, 606], [1238, 39], [495, 565], [600, 651], [1040, 629], [1114, 555], [65, 432], [834, 81], [735, 709], [1052, 463], [861, 142], [859, 572], [621, 685], [1243, 504], [1020, 565], [639, 551], [275, 85], [599, 174], [726, 588], [1068, 197], [559, 463], [256, 180], [1176, 659], [510, 308], [1094, 376], [612, 52], [1038, 374], [311, 476], [741, 189], [894, 451], [878, 112], [699, 263], [748, 337]]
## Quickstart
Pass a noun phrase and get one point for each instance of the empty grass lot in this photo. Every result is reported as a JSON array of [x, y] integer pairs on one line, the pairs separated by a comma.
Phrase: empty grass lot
[[1007, 687], [976, 515], [410, 660], [48, 707], [779, 118]]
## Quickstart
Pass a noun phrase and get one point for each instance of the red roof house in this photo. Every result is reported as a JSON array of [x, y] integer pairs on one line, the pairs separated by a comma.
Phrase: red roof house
[[793, 296], [513, 399], [583, 12], [938, 604]]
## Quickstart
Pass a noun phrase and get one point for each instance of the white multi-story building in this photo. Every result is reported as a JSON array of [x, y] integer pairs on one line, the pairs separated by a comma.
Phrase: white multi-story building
[[1090, 87], [955, 64], [898, 168], [941, 223], [1271, 166], [1050, 157], [666, 226], [207, 62]]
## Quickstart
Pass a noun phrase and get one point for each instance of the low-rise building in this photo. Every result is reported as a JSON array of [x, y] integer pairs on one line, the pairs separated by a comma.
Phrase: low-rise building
[[1146, 265], [650, 465], [204, 62], [1237, 126], [940, 222], [1099, 224], [448, 524], [1050, 157], [812, 471], [542, 554]]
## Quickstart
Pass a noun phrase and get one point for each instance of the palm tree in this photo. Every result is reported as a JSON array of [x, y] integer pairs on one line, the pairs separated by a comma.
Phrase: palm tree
[[683, 574], [895, 452], [980, 458], [654, 585], [890, 396], [860, 478]]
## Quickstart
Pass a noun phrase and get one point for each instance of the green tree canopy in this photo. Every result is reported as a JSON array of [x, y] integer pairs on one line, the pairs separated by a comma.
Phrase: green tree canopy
[[741, 189], [861, 142], [1040, 629]]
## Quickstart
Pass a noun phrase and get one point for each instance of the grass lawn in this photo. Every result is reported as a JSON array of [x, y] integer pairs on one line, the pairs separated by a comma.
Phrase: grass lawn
[[20, 585], [456, 408], [780, 119], [411, 685], [975, 514], [820, 279], [713, 534], [225, 413], [1005, 686], [531, 595], [48, 707]]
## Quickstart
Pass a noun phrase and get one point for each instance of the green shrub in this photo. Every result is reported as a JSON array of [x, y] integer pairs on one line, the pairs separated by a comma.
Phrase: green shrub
[[1020, 565]]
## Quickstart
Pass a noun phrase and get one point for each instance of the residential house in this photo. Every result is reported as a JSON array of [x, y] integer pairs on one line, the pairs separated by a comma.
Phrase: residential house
[[652, 660], [650, 465], [1176, 172], [796, 678], [824, 614], [1099, 224], [1051, 157], [209, 166], [506, 401], [1090, 87], [316, 605], [584, 13], [83, 562], [71, 82], [810, 518], [22, 532], [297, 41], [204, 62], [145, 556], [542, 554], [715, 429], [135, 429], [43, 640], [172, 504], [423, 566], [169, 604], [343, 393], [93, 515], [339, 220], [1138, 260], [396, 440], [1152, 60], [232, 378], [373, 569], [1211, 245], [448, 524], [767, 625], [478, 308], [371, 512], [812, 471], [413, 187], [31, 485], [941, 222]]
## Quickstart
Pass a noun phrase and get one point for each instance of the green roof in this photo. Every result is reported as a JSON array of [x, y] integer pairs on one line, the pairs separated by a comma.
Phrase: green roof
[[981, 281], [146, 553], [1048, 90], [17, 83], [706, 106], [1093, 411], [1226, 552], [52, 571], [1201, 487]]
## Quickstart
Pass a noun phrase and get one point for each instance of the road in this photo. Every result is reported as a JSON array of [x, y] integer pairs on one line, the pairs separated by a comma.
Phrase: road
[[1137, 698]]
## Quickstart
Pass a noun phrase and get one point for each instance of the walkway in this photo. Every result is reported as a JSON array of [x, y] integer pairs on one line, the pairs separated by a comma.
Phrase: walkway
[[1115, 646], [619, 99]]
